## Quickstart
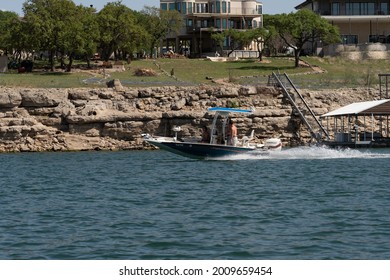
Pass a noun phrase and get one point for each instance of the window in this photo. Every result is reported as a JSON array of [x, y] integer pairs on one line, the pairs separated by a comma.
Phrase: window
[[224, 7], [184, 8], [377, 39], [218, 6], [353, 8], [367, 8], [370, 9], [172, 6], [204, 8], [360, 8], [259, 9], [189, 23], [224, 23], [349, 39], [164, 6], [363, 8], [335, 9], [384, 9], [218, 23], [348, 9]]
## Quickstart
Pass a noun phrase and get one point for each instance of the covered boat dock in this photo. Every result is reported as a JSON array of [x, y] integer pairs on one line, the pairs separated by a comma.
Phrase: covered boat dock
[[359, 125]]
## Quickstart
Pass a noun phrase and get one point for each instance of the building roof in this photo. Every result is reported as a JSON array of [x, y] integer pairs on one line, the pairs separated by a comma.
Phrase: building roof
[[377, 107], [302, 5]]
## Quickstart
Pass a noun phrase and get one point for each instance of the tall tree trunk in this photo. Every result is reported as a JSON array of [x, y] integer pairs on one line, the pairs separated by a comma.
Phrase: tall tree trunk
[[62, 61], [19, 56], [221, 54], [296, 54], [260, 51], [88, 61], [51, 60], [69, 66]]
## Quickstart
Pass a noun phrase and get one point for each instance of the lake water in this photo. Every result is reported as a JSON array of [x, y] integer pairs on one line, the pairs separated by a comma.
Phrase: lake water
[[301, 203]]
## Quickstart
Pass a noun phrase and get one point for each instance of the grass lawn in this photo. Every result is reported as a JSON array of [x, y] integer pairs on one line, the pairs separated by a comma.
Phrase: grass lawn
[[344, 73], [339, 73], [43, 80]]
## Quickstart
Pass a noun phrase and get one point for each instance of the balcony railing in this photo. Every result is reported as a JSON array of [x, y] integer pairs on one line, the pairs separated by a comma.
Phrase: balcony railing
[[241, 12], [194, 29]]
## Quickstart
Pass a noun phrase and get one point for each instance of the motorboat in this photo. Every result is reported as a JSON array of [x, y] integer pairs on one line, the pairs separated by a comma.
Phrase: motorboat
[[217, 146]]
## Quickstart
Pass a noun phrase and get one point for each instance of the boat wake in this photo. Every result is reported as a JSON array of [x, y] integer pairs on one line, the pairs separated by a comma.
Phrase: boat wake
[[311, 153]]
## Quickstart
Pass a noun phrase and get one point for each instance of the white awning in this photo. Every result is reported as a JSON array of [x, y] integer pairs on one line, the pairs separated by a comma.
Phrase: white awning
[[377, 107]]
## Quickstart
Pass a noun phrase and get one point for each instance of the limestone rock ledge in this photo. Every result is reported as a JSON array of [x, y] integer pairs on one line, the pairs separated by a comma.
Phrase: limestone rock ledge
[[111, 119]]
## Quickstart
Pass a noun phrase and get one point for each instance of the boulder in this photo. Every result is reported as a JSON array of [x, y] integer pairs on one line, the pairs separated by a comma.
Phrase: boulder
[[77, 94], [179, 104], [48, 98], [10, 99]]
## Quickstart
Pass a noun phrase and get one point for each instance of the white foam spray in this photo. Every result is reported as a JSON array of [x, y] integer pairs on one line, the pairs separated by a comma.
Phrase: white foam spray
[[312, 152]]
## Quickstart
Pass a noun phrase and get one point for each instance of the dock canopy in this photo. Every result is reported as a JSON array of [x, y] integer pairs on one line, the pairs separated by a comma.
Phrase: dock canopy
[[377, 107]]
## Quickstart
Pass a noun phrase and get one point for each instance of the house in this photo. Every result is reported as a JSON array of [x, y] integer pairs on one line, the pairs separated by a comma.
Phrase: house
[[202, 16], [359, 21]]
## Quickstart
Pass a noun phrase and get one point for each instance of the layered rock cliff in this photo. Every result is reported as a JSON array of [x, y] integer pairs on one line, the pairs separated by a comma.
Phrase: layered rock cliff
[[115, 118]]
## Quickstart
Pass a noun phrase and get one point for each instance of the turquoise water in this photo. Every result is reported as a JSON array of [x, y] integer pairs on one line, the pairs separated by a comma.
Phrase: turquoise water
[[302, 203]]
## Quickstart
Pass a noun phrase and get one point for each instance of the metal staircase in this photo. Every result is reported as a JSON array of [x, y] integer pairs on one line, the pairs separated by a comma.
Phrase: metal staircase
[[300, 106]]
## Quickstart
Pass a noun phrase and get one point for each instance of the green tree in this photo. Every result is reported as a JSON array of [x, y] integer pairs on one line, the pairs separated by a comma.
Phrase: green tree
[[12, 38], [236, 39], [219, 39], [90, 31], [274, 44], [263, 38], [119, 30], [56, 26], [5, 19], [172, 22], [159, 23], [79, 39], [302, 27]]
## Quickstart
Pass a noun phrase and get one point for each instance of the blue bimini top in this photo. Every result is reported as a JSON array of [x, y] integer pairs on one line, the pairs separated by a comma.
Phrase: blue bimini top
[[229, 110]]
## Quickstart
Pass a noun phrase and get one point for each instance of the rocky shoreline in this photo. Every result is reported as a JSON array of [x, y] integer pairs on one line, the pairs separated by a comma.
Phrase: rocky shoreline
[[34, 120]]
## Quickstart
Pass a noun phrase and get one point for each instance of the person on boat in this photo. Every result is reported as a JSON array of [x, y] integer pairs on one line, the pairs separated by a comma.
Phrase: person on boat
[[232, 134], [205, 134]]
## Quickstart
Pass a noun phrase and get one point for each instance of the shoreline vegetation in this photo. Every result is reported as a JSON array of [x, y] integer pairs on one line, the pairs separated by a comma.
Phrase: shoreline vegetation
[[44, 111]]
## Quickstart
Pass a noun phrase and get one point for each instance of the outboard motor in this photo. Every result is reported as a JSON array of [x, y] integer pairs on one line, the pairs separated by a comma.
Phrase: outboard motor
[[274, 144]]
